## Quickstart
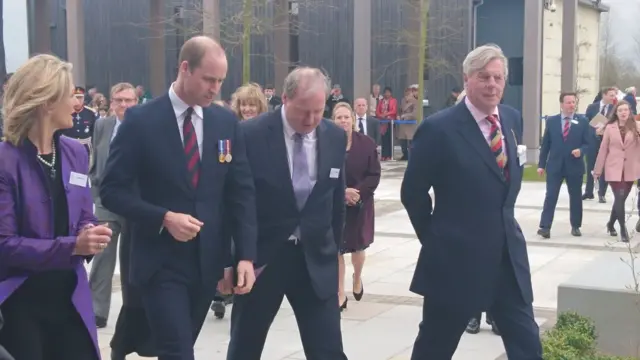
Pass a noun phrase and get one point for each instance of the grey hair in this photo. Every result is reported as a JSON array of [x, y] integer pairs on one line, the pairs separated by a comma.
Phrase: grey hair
[[305, 79], [479, 57], [630, 89]]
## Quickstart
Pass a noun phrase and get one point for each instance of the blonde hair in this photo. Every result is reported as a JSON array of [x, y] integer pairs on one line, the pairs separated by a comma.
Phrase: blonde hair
[[250, 93], [481, 56], [121, 87], [40, 82], [344, 105]]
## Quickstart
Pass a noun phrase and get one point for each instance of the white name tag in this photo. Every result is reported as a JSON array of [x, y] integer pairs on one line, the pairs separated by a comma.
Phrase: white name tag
[[78, 179], [334, 173], [575, 121], [522, 154]]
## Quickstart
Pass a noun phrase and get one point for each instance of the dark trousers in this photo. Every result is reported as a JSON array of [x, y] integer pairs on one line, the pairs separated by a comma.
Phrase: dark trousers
[[318, 319], [442, 326], [34, 332], [406, 145], [176, 304], [574, 185], [478, 316], [385, 140], [591, 163]]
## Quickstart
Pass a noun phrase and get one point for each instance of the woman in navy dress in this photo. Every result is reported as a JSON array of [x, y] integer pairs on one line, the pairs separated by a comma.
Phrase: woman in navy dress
[[362, 172]]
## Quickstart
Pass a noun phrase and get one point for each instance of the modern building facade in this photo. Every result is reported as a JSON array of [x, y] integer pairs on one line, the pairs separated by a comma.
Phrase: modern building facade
[[358, 43]]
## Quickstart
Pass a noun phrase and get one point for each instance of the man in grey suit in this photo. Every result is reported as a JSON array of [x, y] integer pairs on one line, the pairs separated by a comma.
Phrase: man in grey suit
[[123, 96], [365, 124]]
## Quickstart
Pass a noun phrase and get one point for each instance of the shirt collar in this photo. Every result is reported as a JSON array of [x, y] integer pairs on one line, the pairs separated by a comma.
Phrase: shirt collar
[[289, 132], [179, 106], [478, 114], [363, 117], [565, 116]]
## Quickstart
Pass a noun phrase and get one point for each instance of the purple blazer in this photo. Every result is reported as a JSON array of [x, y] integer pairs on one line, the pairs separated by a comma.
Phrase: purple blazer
[[26, 222]]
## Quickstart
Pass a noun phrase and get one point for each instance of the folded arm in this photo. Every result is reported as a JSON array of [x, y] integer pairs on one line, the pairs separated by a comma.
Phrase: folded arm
[[240, 201], [117, 190], [419, 177]]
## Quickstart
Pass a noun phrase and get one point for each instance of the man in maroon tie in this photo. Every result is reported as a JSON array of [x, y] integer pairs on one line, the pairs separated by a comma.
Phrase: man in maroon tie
[[565, 142], [195, 185]]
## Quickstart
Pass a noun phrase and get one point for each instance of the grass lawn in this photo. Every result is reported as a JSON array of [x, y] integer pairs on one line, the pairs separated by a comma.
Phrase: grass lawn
[[530, 173]]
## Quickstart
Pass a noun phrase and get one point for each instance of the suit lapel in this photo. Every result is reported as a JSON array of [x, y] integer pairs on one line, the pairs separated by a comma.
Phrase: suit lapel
[[208, 157], [279, 156], [471, 132], [172, 144], [323, 149]]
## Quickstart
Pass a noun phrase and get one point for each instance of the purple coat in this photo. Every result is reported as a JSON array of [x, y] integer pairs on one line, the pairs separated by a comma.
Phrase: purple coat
[[26, 222]]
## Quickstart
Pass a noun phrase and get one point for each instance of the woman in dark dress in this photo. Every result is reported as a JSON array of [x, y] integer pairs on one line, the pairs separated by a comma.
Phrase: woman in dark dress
[[362, 172]]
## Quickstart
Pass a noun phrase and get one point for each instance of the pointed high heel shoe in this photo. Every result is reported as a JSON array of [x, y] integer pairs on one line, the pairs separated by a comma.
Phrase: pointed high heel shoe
[[343, 306], [358, 296], [611, 230]]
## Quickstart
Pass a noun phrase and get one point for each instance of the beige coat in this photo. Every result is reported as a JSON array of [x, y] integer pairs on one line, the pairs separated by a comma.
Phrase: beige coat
[[408, 111], [373, 105]]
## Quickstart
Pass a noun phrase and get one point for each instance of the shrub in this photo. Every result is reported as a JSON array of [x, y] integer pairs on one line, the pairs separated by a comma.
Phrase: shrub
[[572, 338]]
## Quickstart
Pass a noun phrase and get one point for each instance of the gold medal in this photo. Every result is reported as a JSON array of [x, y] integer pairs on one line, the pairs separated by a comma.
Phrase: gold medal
[[228, 158], [221, 158]]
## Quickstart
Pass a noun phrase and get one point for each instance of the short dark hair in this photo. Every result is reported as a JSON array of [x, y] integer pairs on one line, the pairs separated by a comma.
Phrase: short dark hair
[[387, 88], [269, 87], [568, 93], [608, 88]]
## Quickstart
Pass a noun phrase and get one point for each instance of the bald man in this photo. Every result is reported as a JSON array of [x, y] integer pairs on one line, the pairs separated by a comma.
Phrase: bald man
[[190, 163]]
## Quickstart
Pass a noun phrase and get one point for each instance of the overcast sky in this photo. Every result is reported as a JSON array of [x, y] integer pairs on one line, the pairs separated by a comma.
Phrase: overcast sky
[[623, 24]]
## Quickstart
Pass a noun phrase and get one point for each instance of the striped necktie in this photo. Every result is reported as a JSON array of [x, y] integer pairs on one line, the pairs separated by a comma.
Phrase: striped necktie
[[565, 128], [191, 150], [495, 137]]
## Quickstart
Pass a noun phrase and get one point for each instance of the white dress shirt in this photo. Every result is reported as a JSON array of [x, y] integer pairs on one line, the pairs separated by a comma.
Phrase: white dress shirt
[[309, 143], [364, 123], [180, 109]]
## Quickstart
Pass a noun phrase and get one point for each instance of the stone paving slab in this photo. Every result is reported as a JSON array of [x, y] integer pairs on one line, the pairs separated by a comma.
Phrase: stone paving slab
[[371, 331]]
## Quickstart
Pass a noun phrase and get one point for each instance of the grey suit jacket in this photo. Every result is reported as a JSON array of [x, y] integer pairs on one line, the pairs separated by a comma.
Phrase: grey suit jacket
[[101, 142]]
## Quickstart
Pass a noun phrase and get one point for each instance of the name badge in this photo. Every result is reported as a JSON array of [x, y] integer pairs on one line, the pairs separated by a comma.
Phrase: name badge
[[574, 122], [522, 154], [78, 179], [334, 173]]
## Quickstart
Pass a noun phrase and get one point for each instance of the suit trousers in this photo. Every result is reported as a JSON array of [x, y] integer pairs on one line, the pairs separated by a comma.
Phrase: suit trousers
[[253, 313], [591, 163], [101, 275], [176, 303], [51, 332], [442, 326], [574, 186]]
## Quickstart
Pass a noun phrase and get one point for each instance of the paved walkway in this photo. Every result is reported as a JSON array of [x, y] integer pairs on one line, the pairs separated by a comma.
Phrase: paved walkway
[[384, 325]]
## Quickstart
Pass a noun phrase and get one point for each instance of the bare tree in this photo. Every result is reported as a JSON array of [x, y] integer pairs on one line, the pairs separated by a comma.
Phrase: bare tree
[[420, 45]]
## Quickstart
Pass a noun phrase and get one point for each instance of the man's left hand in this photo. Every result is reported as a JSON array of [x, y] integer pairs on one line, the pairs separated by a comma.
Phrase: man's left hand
[[246, 277], [225, 285], [576, 153]]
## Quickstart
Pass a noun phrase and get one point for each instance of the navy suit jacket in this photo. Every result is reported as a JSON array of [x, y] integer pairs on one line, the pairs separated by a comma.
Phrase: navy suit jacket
[[148, 151], [555, 153], [594, 109], [321, 220], [472, 227]]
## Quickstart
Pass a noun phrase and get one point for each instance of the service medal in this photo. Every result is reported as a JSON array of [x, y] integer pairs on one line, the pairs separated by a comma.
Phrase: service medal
[[228, 158]]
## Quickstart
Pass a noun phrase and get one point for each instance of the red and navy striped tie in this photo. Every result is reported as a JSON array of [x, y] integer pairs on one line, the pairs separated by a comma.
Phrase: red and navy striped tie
[[565, 129], [191, 148]]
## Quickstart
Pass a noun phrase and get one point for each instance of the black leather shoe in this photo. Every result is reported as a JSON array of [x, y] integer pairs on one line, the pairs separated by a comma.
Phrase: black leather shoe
[[218, 308], [358, 296], [473, 327], [602, 200], [587, 197], [576, 231], [101, 322], [545, 233]]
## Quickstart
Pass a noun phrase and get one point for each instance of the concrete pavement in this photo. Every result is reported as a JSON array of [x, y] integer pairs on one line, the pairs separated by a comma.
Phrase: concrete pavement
[[384, 324]]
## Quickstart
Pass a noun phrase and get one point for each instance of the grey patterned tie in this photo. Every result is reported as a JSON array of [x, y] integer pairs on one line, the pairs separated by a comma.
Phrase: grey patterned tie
[[300, 172]]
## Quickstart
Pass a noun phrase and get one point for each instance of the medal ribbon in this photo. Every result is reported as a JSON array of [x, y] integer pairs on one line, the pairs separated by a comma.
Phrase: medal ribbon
[[227, 146]]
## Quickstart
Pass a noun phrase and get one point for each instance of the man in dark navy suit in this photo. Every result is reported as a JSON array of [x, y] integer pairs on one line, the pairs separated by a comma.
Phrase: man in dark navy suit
[[190, 164], [567, 138], [474, 255], [604, 107], [297, 160]]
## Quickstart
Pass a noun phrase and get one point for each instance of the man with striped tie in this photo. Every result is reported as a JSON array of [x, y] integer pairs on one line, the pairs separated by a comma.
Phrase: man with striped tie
[[190, 164], [474, 255], [566, 140]]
